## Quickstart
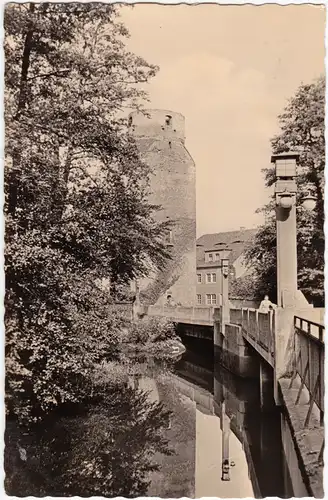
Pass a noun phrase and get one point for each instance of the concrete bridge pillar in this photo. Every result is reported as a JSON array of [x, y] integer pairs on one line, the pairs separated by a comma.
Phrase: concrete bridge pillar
[[285, 191], [288, 296], [232, 351], [217, 334]]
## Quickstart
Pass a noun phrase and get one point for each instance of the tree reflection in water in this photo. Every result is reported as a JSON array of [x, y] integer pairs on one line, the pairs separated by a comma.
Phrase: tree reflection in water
[[103, 449]]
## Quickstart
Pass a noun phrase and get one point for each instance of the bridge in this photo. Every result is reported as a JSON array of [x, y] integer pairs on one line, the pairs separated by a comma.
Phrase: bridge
[[236, 402], [283, 347]]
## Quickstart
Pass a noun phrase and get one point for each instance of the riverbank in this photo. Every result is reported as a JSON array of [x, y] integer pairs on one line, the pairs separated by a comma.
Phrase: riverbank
[[307, 442], [155, 337], [81, 440], [164, 349]]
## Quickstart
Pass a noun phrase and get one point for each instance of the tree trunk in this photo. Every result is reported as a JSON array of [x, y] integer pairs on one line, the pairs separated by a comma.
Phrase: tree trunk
[[13, 179], [23, 88]]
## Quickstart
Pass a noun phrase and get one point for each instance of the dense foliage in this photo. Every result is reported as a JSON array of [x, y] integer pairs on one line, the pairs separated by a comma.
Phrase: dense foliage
[[101, 449], [302, 130], [152, 330], [76, 214], [76, 195]]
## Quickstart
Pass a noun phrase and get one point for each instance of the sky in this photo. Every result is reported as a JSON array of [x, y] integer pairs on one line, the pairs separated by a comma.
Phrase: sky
[[230, 71]]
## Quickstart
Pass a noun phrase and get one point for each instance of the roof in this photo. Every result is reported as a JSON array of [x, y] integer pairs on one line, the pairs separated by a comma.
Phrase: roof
[[235, 240], [201, 264]]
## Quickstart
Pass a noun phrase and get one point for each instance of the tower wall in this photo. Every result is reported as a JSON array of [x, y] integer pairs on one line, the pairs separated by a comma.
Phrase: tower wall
[[160, 136], [158, 123]]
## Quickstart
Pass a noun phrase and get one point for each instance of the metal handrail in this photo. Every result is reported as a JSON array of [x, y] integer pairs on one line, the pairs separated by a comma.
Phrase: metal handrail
[[319, 325], [309, 365], [307, 332]]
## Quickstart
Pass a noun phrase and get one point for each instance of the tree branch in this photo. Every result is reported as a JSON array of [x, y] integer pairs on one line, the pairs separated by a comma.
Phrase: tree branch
[[60, 73]]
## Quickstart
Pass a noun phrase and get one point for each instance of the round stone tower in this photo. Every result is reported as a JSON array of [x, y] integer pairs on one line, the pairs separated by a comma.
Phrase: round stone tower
[[160, 136]]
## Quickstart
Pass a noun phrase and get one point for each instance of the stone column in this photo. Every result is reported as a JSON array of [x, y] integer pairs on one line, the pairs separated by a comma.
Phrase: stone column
[[285, 193], [217, 333], [290, 300]]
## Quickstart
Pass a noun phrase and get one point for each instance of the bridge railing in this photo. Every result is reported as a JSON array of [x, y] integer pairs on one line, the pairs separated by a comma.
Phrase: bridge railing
[[259, 326], [236, 316], [309, 364], [182, 313]]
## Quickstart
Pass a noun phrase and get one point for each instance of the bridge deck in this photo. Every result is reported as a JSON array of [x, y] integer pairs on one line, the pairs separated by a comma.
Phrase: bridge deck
[[257, 328]]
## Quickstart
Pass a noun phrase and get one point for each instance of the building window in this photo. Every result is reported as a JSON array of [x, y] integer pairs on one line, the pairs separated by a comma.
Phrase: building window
[[199, 278], [168, 237], [211, 278], [168, 120], [210, 257], [217, 257], [211, 299], [199, 299]]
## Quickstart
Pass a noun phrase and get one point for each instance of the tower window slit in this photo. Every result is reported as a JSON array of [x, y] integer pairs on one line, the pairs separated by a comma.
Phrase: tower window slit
[[168, 120]]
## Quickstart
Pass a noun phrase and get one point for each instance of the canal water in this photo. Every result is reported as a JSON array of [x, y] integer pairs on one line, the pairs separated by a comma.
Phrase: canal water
[[215, 416], [163, 431]]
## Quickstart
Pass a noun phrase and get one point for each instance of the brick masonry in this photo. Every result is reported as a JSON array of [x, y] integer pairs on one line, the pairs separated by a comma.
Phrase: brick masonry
[[160, 136]]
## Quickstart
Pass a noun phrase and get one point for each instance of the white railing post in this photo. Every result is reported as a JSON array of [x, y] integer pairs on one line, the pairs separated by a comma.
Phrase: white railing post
[[271, 333], [257, 327], [247, 330]]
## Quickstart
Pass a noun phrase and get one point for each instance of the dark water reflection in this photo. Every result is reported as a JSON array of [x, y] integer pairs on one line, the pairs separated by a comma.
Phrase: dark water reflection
[[165, 433], [216, 416], [233, 426]]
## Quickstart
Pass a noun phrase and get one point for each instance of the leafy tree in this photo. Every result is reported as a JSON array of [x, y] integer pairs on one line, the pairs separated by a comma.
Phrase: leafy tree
[[76, 196], [104, 449], [302, 130], [243, 287]]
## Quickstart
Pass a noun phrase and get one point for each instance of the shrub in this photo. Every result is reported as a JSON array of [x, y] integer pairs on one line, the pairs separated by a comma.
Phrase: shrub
[[152, 330]]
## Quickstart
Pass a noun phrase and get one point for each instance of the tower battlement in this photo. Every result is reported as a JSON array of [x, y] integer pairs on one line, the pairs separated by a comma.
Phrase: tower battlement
[[158, 123]]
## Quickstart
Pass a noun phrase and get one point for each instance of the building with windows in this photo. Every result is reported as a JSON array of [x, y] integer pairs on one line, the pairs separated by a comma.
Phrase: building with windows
[[208, 284]]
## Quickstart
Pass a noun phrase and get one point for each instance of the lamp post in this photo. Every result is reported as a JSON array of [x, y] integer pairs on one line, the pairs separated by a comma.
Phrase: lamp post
[[285, 197], [225, 309], [309, 202]]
